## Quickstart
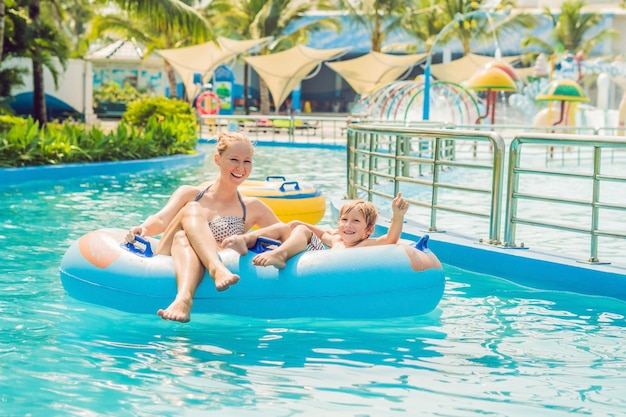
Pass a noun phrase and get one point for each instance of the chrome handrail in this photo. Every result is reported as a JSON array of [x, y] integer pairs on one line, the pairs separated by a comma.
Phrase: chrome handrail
[[387, 152], [379, 152], [596, 145]]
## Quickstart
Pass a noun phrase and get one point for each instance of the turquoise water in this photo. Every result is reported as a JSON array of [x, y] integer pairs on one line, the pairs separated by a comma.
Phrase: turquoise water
[[491, 347]]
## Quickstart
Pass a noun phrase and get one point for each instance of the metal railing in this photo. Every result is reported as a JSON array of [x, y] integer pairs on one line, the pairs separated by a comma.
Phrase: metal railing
[[418, 156], [412, 157], [596, 178], [279, 128]]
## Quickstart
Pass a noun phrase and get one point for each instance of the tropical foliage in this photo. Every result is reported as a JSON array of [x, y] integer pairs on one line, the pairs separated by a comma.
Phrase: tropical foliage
[[273, 19], [572, 30], [111, 92], [379, 18], [24, 142]]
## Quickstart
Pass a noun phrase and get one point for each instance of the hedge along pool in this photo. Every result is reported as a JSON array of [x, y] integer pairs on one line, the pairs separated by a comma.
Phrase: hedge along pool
[[491, 347]]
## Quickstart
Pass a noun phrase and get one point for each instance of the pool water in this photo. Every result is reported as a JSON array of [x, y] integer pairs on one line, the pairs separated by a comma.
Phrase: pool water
[[491, 347]]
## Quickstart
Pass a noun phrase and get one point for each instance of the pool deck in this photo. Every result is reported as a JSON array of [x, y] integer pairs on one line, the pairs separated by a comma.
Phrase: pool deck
[[526, 267]]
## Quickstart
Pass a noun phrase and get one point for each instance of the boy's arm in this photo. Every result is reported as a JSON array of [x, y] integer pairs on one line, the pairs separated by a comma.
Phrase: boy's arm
[[399, 208]]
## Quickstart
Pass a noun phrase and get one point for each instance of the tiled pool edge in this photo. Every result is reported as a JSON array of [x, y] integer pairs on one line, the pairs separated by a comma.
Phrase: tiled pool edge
[[16, 176]]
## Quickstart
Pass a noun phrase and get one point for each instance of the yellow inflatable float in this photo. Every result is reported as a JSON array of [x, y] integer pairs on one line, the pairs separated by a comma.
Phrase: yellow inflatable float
[[290, 200]]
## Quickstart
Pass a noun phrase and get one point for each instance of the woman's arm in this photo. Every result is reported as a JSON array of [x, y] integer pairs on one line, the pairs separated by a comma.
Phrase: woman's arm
[[157, 223], [258, 213]]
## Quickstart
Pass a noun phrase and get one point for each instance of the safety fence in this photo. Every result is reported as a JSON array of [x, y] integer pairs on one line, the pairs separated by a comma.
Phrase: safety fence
[[453, 188]]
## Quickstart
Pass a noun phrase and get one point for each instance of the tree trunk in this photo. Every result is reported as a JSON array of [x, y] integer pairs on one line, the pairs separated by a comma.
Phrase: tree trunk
[[246, 81], [265, 97], [171, 77], [2, 14], [39, 95]]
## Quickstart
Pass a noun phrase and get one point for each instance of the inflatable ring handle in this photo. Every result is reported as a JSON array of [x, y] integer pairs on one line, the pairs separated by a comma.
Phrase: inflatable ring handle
[[297, 186], [275, 177], [214, 98], [264, 244], [422, 244], [146, 251]]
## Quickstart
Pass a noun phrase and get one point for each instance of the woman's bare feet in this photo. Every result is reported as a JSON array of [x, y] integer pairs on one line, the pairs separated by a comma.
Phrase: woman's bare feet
[[237, 243], [271, 258], [224, 279], [179, 310]]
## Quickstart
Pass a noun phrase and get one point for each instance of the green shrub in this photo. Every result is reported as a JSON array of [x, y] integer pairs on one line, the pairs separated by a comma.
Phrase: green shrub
[[112, 92], [24, 143], [139, 112], [7, 122]]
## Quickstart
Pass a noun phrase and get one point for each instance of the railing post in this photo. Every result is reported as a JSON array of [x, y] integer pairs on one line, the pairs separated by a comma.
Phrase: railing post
[[595, 211], [435, 190], [512, 186]]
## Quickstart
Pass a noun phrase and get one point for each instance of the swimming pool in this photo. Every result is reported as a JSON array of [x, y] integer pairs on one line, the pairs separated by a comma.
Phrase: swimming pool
[[491, 347]]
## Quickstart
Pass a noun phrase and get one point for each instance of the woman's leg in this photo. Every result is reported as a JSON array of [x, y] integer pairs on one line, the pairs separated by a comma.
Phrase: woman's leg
[[188, 239], [189, 273], [191, 219], [297, 242], [203, 243]]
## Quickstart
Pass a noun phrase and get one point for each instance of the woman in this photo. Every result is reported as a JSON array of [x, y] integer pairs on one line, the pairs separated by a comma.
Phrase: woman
[[196, 220]]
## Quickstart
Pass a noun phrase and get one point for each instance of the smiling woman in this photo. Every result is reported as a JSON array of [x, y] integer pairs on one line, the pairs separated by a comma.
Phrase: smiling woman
[[195, 220]]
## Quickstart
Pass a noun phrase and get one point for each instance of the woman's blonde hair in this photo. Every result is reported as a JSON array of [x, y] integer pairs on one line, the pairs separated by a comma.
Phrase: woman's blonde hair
[[226, 139], [366, 208]]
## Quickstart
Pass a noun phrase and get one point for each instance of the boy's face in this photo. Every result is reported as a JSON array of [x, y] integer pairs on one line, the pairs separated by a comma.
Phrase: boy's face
[[353, 228]]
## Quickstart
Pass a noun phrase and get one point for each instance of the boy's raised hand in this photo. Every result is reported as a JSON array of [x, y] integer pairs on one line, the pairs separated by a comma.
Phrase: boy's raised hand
[[399, 205]]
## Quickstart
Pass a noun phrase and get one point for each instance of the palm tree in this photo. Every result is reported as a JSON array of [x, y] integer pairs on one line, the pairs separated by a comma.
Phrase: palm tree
[[257, 19], [570, 30], [378, 17], [42, 41], [143, 31], [423, 22], [473, 22]]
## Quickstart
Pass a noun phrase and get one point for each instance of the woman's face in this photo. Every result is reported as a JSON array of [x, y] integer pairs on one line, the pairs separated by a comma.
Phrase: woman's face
[[236, 162]]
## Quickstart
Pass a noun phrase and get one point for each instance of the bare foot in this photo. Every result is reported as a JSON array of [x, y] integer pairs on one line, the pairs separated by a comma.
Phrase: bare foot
[[237, 243], [224, 279], [273, 257], [179, 310]]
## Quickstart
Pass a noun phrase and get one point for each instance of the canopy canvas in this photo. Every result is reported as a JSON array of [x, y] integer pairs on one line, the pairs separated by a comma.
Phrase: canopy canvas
[[366, 72], [282, 71], [463, 68], [205, 58]]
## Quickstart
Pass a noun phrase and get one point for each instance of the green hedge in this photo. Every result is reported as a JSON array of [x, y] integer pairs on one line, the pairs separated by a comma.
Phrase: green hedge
[[154, 127]]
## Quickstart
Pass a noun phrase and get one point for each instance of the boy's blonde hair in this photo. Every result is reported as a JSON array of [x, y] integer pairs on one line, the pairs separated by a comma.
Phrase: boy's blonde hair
[[366, 208], [225, 139]]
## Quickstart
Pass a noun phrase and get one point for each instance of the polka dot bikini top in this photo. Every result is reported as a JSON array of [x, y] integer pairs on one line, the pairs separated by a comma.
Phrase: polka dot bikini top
[[223, 227]]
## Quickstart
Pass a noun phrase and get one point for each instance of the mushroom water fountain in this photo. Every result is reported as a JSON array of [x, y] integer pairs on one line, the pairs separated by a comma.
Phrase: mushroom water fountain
[[566, 91], [491, 79]]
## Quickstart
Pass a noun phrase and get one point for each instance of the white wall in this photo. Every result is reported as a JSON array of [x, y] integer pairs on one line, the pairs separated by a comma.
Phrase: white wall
[[74, 84]]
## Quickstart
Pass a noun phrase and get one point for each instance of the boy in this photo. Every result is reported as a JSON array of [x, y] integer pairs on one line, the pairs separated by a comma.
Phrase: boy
[[357, 220]]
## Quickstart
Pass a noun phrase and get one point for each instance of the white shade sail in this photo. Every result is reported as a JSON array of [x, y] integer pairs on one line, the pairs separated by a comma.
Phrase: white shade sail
[[366, 72], [205, 58], [283, 71], [463, 68]]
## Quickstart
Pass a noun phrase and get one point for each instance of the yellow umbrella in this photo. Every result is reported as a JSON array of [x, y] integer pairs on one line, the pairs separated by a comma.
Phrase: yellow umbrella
[[491, 79]]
